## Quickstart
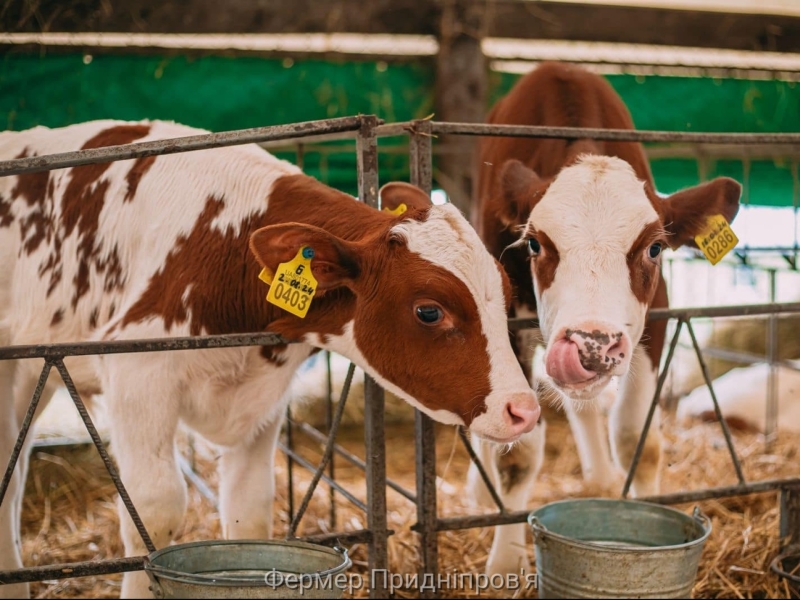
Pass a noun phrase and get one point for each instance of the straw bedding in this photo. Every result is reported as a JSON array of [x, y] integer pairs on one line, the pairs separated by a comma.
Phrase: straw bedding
[[69, 512]]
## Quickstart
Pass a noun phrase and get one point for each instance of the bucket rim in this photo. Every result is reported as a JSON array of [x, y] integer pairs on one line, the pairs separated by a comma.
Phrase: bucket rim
[[158, 571], [538, 529]]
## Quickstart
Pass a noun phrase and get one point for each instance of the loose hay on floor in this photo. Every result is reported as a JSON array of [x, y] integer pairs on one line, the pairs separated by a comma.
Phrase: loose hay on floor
[[69, 513]]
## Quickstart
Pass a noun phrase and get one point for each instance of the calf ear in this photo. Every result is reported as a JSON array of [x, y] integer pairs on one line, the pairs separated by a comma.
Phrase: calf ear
[[686, 212], [520, 188], [396, 193], [335, 262]]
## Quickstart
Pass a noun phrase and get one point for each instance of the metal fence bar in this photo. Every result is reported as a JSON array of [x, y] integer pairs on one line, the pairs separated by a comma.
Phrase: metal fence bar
[[619, 135], [101, 450], [421, 167], [326, 455], [725, 431], [374, 433], [321, 476], [56, 351], [206, 141], [771, 417], [77, 569], [329, 419], [746, 357], [487, 481], [521, 516], [352, 458], [659, 314], [637, 455]]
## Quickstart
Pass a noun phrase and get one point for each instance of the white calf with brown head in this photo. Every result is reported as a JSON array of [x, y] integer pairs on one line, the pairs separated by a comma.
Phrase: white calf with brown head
[[595, 235]]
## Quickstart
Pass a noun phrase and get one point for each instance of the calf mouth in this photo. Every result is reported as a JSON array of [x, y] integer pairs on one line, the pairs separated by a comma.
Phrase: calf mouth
[[585, 390]]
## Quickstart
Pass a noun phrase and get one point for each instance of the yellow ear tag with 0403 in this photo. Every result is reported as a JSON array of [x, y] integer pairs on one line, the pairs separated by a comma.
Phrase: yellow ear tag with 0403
[[717, 240], [401, 208], [293, 285]]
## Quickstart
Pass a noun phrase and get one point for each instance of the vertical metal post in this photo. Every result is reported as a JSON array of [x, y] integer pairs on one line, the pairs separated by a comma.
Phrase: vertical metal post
[[290, 463], [771, 422], [329, 426], [374, 434], [299, 158], [420, 157]]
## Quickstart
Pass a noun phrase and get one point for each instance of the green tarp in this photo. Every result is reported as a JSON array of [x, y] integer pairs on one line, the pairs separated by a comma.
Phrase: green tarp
[[220, 93]]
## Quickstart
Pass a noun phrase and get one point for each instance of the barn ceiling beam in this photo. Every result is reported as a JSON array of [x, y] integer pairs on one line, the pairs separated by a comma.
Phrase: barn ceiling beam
[[526, 19]]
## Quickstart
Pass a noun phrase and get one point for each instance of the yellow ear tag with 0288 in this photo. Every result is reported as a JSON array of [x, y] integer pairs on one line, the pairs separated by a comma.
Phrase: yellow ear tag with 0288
[[401, 208], [293, 285], [717, 240]]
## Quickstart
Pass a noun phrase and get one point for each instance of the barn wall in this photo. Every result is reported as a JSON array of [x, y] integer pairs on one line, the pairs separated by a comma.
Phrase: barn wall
[[218, 93]]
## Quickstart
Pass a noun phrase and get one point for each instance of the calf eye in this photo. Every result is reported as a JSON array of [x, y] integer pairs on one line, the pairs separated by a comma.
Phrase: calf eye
[[534, 247], [654, 250], [429, 314]]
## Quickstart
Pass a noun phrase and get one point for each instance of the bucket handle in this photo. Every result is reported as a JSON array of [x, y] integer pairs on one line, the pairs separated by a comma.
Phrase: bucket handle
[[535, 524], [699, 516]]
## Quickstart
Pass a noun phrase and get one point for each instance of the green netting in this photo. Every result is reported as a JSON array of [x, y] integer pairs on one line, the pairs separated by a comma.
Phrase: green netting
[[219, 93]]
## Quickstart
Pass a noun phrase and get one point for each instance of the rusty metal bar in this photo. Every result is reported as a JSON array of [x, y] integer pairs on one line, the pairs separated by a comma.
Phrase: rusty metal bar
[[374, 401], [482, 470], [290, 462], [322, 476], [657, 314], [746, 357], [56, 351], [725, 431], [23, 432], [329, 417], [771, 417], [618, 135], [101, 450], [34, 164], [521, 516], [637, 455], [77, 569], [351, 458], [359, 536], [326, 457], [421, 167]]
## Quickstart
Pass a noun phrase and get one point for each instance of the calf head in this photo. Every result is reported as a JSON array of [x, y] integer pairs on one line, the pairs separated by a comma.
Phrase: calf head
[[420, 305], [595, 235]]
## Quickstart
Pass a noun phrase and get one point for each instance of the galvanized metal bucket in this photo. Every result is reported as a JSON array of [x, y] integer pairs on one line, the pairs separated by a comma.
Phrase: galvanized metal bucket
[[602, 548], [247, 569]]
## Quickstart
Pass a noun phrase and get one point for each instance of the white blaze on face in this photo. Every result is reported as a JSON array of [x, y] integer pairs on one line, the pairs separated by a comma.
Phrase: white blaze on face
[[592, 212], [447, 240]]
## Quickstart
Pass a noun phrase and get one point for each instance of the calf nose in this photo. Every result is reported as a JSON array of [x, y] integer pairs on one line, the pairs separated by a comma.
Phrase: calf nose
[[522, 413], [585, 351]]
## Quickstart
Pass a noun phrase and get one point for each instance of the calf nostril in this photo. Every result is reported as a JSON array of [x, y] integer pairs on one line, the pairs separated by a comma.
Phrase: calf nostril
[[516, 419]]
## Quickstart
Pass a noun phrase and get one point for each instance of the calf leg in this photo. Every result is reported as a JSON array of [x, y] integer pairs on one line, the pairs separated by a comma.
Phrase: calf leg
[[627, 419], [143, 413], [247, 485], [513, 472], [591, 438], [10, 542]]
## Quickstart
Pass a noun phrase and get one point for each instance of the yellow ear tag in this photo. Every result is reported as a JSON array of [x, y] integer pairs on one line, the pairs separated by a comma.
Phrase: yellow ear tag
[[293, 285], [717, 240], [401, 208], [266, 276]]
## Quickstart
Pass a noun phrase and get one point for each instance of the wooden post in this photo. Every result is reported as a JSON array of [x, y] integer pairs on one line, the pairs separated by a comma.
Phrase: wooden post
[[461, 84]]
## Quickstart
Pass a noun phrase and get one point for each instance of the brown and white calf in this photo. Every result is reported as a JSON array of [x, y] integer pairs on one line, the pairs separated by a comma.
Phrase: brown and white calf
[[580, 230], [164, 246]]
